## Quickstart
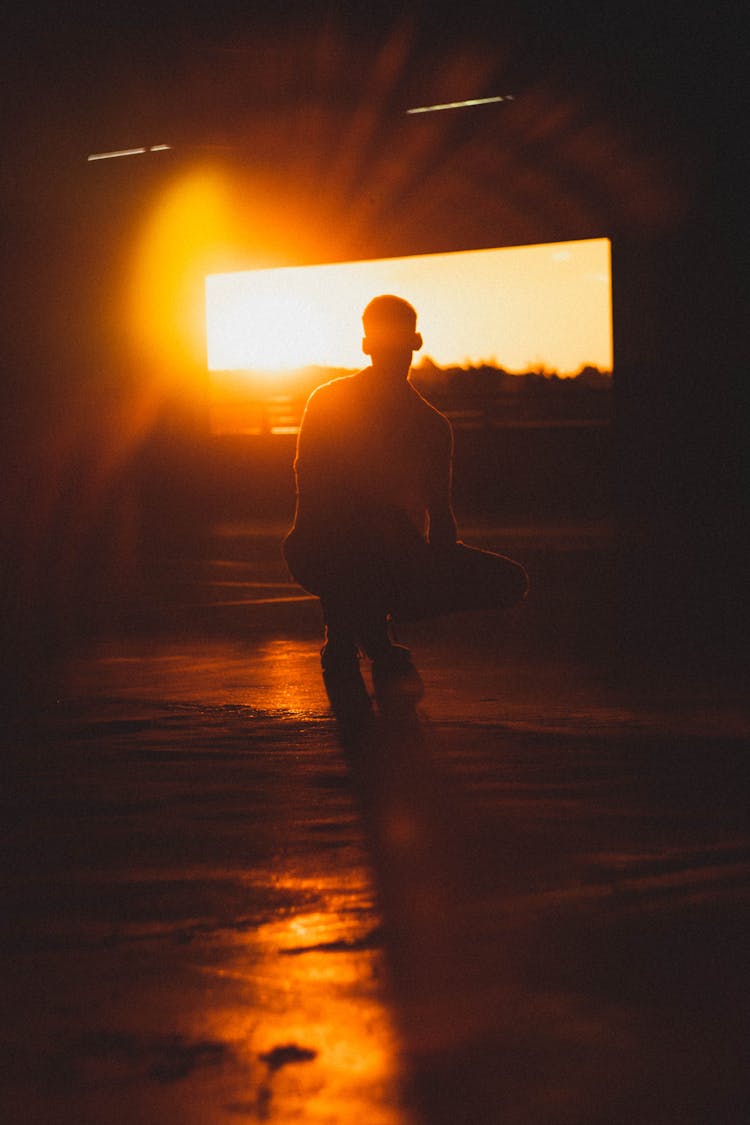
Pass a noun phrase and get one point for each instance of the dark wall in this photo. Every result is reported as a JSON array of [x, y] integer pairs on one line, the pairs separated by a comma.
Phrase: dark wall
[[682, 432]]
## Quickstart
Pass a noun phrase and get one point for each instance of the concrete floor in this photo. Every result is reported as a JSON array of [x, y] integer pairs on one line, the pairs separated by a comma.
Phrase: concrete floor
[[524, 904]]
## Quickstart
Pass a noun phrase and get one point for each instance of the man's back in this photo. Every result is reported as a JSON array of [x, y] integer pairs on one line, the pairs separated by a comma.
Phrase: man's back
[[366, 446]]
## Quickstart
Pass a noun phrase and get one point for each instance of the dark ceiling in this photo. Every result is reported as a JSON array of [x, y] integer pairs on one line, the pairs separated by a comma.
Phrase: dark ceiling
[[619, 110], [624, 122]]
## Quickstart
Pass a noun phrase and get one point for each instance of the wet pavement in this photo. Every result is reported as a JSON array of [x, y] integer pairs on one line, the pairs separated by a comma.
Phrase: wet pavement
[[524, 903]]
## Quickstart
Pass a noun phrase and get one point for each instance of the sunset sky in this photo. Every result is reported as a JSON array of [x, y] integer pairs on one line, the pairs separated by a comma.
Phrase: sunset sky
[[519, 308]]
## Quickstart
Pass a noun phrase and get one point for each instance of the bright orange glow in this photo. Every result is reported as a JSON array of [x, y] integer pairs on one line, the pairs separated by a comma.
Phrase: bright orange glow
[[188, 233], [318, 985], [519, 308], [202, 222]]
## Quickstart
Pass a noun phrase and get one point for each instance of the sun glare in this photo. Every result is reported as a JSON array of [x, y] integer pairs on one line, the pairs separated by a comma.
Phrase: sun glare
[[520, 308], [185, 233]]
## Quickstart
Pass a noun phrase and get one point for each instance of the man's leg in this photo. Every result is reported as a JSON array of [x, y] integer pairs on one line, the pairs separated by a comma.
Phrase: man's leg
[[339, 661], [340, 635], [457, 580], [363, 624]]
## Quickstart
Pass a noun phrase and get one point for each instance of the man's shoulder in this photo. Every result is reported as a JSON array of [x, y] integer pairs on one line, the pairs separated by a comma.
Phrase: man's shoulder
[[335, 390], [432, 417]]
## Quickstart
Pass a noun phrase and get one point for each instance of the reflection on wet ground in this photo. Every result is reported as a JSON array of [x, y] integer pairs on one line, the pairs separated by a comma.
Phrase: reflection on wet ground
[[520, 905], [194, 929]]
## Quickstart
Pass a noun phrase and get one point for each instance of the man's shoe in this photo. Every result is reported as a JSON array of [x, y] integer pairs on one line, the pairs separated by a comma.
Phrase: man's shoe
[[396, 681]]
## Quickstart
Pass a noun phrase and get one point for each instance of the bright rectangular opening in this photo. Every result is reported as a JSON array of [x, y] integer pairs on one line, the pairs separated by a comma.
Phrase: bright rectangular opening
[[274, 334]]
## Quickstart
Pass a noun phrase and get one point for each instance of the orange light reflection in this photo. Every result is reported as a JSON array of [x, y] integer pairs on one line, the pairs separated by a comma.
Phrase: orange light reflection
[[318, 980]]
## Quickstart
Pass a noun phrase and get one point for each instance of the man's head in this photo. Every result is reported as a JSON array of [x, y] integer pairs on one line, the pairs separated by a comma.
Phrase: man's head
[[391, 336]]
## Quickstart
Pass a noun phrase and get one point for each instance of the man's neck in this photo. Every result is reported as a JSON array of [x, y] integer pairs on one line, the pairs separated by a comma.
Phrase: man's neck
[[393, 379]]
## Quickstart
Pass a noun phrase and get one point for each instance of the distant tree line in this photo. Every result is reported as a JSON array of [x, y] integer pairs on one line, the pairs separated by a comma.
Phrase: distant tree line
[[470, 395], [489, 379], [500, 396]]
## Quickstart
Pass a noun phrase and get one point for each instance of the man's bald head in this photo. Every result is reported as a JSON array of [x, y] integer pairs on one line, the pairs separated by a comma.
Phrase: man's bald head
[[391, 336]]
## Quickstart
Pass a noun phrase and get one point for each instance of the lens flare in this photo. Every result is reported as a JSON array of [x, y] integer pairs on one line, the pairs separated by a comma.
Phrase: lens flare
[[188, 232]]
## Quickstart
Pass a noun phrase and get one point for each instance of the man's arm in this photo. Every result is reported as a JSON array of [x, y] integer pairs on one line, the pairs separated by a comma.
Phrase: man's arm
[[311, 454], [442, 531], [312, 463]]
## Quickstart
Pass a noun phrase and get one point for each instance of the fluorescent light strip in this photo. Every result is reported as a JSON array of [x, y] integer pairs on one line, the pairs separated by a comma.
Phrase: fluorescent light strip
[[126, 152], [462, 105]]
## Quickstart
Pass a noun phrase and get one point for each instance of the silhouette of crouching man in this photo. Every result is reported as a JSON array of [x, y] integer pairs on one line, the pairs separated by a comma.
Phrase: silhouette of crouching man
[[374, 533]]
